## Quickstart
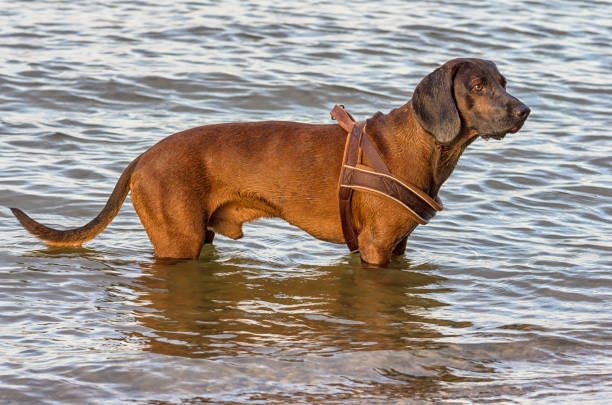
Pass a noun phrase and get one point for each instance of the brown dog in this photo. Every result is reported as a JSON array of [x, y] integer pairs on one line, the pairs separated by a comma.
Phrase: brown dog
[[216, 177]]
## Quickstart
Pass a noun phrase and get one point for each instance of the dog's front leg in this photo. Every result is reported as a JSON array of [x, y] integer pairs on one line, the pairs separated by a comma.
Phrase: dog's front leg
[[374, 249], [400, 248]]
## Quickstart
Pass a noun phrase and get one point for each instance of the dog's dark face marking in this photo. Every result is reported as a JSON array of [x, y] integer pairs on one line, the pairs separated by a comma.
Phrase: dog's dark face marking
[[469, 94], [483, 102]]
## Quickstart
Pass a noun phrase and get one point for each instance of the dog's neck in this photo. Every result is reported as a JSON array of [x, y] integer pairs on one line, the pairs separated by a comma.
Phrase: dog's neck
[[411, 153]]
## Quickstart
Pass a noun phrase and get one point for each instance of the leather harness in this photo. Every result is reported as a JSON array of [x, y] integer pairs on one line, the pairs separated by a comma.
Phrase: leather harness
[[376, 179]]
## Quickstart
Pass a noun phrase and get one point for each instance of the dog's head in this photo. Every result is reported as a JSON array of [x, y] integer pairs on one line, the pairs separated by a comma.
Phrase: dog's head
[[468, 93]]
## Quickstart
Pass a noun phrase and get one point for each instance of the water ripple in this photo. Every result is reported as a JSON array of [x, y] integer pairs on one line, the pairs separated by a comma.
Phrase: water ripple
[[503, 297]]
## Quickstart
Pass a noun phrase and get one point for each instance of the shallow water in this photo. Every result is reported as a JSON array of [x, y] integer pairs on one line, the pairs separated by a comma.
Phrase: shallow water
[[505, 296]]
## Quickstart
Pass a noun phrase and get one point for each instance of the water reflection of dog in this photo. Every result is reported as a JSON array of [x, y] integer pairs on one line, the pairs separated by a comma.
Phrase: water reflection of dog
[[200, 309]]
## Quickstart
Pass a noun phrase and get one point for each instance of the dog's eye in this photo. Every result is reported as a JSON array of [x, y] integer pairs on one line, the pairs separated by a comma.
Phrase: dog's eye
[[477, 87]]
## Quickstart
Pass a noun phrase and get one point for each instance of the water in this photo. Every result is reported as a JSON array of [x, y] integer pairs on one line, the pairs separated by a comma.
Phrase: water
[[504, 297]]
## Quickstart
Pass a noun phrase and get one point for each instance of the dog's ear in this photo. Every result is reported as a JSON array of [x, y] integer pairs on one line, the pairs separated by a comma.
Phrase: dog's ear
[[434, 103]]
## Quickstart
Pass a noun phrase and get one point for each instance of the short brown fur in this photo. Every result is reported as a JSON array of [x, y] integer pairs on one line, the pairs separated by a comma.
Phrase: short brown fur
[[216, 177]]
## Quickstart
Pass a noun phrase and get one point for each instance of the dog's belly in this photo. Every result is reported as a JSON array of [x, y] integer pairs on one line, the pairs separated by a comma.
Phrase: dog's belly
[[317, 220]]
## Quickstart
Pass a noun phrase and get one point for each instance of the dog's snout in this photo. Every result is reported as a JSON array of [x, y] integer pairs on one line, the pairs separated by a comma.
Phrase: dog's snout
[[521, 111]]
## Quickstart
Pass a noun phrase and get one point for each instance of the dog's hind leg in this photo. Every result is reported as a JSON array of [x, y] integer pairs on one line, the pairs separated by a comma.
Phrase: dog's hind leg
[[175, 224]]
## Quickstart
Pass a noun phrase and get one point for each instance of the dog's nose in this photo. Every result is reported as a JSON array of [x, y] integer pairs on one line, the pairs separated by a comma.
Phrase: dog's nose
[[522, 111]]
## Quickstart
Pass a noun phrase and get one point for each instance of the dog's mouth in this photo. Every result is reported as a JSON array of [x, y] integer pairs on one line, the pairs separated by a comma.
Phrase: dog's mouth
[[501, 135], [498, 137]]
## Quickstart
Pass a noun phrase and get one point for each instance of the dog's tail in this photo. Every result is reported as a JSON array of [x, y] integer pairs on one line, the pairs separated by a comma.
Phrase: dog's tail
[[78, 236]]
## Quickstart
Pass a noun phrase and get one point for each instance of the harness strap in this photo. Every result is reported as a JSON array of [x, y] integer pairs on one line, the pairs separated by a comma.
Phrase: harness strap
[[345, 194], [377, 180], [344, 118]]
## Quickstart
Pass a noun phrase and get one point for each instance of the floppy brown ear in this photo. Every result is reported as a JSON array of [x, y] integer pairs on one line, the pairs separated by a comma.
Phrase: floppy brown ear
[[434, 103]]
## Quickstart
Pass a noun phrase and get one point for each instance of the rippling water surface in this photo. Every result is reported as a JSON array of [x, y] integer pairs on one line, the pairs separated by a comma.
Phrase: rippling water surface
[[505, 296]]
